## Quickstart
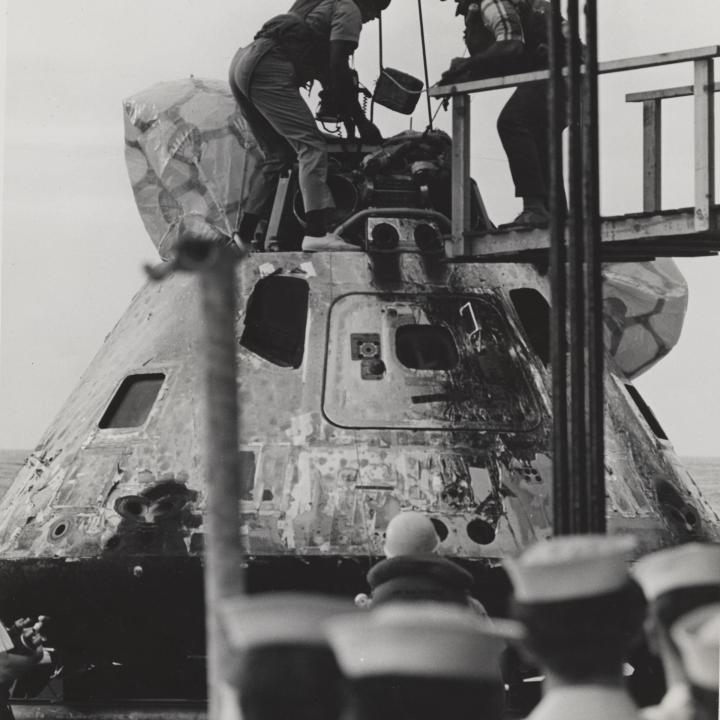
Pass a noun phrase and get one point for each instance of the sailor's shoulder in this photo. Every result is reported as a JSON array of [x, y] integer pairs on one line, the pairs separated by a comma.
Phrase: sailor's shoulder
[[591, 702], [675, 705]]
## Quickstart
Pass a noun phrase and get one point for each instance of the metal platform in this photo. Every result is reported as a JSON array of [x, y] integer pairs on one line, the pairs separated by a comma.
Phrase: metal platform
[[639, 236], [652, 233]]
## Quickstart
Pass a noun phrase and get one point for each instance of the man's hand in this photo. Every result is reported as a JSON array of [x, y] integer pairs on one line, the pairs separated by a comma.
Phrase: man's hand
[[458, 68], [369, 133]]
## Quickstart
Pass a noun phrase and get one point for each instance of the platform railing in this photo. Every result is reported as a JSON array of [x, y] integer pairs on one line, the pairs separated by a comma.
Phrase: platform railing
[[704, 173], [652, 136]]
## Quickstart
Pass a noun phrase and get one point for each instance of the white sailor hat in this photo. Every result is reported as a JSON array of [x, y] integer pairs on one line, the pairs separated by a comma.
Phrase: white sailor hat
[[697, 634], [428, 639], [678, 567], [410, 533], [570, 567], [279, 618]]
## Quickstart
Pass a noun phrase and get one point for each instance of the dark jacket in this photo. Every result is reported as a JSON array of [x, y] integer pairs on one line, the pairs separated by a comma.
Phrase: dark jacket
[[410, 578], [306, 48]]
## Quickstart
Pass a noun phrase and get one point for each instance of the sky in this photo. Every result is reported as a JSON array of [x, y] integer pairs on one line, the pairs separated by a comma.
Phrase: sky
[[72, 244]]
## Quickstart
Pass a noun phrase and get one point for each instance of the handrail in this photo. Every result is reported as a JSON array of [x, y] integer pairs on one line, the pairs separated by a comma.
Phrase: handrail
[[392, 212], [702, 89], [664, 93], [652, 131], [639, 62]]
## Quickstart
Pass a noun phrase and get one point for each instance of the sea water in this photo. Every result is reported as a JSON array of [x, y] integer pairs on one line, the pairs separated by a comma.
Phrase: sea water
[[705, 472]]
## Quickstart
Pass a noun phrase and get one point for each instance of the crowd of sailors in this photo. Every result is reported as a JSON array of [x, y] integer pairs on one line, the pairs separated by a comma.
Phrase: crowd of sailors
[[420, 646]]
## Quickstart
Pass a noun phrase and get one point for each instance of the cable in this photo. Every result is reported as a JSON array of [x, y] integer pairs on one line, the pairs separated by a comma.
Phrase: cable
[[425, 65], [380, 55], [440, 106], [380, 42]]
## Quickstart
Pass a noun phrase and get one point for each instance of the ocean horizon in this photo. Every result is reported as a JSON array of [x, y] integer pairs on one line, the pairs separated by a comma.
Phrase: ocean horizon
[[705, 471]]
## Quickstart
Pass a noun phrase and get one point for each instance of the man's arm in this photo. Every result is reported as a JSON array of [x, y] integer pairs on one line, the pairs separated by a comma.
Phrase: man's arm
[[343, 90], [502, 45]]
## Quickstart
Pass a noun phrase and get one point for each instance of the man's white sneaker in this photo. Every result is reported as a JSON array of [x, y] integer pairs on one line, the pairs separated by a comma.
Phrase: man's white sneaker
[[324, 243]]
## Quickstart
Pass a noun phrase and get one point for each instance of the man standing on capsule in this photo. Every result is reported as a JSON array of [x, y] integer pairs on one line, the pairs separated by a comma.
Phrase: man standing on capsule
[[313, 41], [506, 37]]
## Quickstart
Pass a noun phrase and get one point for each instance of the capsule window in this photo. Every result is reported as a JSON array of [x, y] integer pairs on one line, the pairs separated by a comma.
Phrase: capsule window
[[425, 347], [534, 314], [275, 320], [132, 402]]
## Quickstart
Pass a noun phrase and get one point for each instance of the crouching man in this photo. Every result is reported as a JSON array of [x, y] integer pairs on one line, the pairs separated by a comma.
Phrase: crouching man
[[313, 41]]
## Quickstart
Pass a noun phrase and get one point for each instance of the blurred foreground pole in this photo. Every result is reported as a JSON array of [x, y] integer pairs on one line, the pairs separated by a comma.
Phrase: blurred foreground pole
[[575, 273], [223, 550], [594, 471], [558, 276]]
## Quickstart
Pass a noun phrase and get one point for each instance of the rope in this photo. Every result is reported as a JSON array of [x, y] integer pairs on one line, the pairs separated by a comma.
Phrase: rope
[[435, 114], [380, 46], [380, 30], [425, 65]]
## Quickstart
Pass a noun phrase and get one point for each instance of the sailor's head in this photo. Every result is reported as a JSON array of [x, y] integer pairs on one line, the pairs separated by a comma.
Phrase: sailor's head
[[283, 666], [581, 610], [683, 570], [675, 581], [697, 635], [410, 533], [421, 660], [371, 9]]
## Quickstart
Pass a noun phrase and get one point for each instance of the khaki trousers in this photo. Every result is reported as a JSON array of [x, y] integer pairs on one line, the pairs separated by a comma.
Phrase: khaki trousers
[[283, 127]]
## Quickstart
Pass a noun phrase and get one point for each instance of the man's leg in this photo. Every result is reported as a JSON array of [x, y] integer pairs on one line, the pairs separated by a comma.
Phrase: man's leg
[[277, 157], [275, 95], [522, 122]]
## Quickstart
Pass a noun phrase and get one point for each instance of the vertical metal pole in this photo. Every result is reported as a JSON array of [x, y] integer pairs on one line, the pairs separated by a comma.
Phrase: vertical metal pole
[[593, 519], [460, 175], [704, 144], [223, 551], [652, 156], [577, 330], [576, 338], [558, 275]]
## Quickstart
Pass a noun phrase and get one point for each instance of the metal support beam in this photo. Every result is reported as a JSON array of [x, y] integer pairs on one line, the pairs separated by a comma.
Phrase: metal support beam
[[652, 158], [281, 199], [704, 144], [558, 274], [594, 512], [460, 175], [609, 66], [575, 289], [575, 272]]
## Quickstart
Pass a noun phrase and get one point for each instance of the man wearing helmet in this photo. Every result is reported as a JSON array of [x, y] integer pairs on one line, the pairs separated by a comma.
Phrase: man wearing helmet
[[504, 37], [313, 41]]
